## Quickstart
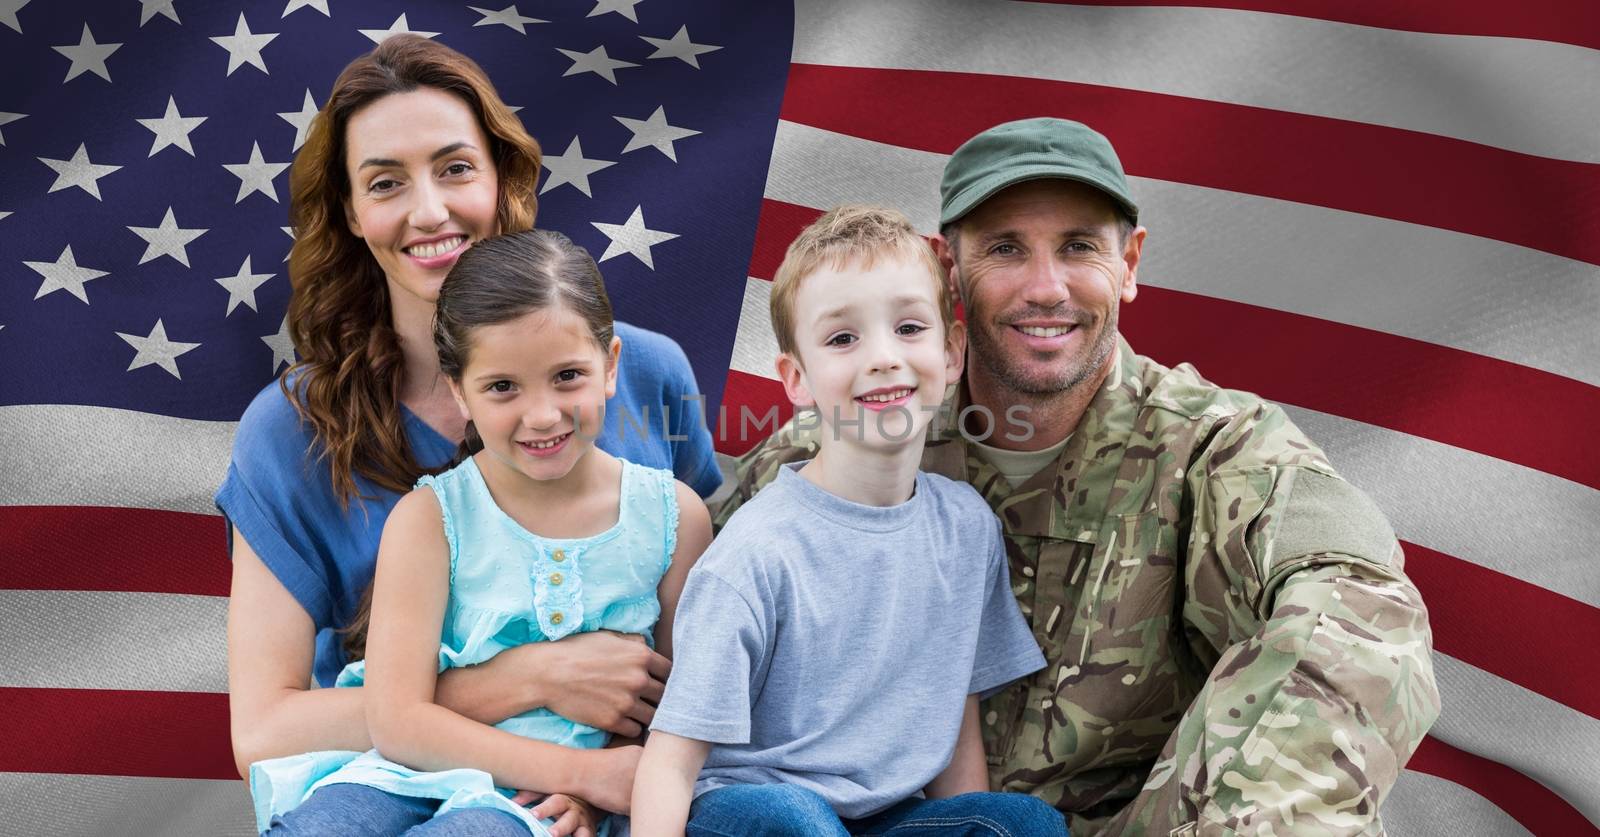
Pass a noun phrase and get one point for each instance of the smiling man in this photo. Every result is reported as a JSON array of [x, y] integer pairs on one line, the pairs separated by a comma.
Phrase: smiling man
[[1233, 645]]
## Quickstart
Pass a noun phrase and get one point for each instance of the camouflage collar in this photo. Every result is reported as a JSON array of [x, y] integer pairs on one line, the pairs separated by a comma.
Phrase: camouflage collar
[[1071, 500]]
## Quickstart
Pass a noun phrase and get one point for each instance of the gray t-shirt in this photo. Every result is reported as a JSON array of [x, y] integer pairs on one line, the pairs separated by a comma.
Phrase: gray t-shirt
[[832, 645]]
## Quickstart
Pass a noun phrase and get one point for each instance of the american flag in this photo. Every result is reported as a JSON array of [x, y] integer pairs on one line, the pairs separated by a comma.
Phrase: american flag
[[1384, 216]]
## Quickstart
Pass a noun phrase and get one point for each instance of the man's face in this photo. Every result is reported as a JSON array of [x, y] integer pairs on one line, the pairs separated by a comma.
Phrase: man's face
[[1041, 268]]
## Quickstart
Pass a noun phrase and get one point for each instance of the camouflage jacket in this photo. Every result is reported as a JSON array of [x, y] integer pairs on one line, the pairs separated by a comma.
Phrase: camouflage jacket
[[1233, 645]]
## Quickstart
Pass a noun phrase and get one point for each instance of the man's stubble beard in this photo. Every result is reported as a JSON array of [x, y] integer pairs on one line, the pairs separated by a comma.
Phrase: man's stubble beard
[[1038, 389]]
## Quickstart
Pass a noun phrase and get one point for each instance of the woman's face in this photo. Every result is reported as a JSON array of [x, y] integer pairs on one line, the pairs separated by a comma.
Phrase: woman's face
[[423, 186]]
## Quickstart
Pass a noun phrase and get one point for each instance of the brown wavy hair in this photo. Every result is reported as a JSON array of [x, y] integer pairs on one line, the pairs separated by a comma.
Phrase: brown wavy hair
[[346, 385]]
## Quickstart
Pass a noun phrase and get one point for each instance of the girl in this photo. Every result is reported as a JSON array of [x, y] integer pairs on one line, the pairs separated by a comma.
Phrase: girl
[[534, 536]]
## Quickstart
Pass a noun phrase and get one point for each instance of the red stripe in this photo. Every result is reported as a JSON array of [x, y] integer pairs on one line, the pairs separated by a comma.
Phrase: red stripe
[[751, 397], [1562, 21], [113, 550], [1549, 648], [1546, 204], [177, 735], [1534, 806], [1412, 386]]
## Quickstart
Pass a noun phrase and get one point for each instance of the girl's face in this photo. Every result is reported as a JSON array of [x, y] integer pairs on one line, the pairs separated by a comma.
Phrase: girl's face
[[423, 186], [535, 389]]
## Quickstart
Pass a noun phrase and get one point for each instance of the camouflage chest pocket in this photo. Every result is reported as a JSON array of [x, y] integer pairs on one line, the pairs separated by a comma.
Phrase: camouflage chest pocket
[[1113, 680]]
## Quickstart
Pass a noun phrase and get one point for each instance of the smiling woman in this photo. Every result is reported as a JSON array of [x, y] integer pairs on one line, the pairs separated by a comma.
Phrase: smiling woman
[[413, 160]]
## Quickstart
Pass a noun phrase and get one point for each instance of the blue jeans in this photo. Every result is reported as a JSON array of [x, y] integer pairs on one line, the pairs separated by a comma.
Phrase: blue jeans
[[791, 811], [359, 811]]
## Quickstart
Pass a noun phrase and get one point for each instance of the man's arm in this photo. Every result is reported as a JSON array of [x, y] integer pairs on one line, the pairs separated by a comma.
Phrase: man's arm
[[1324, 687]]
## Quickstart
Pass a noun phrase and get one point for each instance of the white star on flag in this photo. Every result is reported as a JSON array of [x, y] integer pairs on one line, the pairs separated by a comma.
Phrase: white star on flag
[[509, 16], [399, 27], [594, 61], [288, 231], [155, 349], [244, 46], [8, 13], [301, 119], [621, 7], [632, 237], [172, 128], [87, 56], [64, 274], [571, 167], [282, 346], [654, 132], [242, 286], [256, 174], [151, 8], [6, 119], [166, 240], [319, 5], [4, 215], [78, 172], [679, 46]]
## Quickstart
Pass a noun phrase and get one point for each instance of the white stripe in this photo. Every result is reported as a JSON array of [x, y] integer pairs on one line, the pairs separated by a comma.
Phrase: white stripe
[[755, 347], [93, 640], [1421, 805], [65, 455], [56, 803], [1542, 739], [1471, 293], [1510, 518], [1525, 95]]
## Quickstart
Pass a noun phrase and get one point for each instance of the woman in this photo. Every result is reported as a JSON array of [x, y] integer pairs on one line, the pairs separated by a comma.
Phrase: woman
[[411, 160]]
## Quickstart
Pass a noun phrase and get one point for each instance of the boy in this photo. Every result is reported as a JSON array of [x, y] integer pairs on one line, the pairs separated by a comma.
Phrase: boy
[[834, 639]]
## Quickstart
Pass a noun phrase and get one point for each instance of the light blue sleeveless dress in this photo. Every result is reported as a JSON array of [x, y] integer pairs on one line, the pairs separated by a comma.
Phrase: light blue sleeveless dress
[[508, 587]]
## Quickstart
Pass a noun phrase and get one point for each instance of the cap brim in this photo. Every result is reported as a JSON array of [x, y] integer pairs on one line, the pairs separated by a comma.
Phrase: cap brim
[[969, 198]]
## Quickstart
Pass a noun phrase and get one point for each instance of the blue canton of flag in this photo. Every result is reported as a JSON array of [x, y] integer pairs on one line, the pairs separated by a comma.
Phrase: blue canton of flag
[[144, 184]]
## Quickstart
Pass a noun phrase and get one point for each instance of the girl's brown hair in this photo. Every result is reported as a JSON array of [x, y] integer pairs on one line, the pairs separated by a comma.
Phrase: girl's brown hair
[[347, 383], [496, 281]]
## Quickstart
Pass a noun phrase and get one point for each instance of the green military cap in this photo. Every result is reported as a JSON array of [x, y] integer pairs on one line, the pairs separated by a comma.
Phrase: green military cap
[[1030, 149]]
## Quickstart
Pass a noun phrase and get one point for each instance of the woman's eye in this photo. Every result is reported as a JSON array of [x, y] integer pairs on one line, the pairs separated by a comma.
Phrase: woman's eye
[[383, 185], [500, 386], [840, 340], [457, 169]]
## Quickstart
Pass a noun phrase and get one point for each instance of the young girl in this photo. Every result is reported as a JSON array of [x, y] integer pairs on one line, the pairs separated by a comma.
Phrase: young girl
[[536, 535]]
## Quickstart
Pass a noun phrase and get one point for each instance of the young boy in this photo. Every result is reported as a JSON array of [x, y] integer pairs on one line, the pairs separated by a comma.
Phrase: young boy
[[833, 641]]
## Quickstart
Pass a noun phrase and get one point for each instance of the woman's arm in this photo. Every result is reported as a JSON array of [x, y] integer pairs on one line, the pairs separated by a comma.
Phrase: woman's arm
[[694, 535], [410, 592], [968, 771], [271, 641]]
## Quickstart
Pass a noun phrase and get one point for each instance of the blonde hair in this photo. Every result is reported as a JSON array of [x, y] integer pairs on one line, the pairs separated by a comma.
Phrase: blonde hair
[[851, 234]]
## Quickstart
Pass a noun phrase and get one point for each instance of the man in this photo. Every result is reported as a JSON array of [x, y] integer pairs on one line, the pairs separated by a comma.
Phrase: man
[[1232, 643]]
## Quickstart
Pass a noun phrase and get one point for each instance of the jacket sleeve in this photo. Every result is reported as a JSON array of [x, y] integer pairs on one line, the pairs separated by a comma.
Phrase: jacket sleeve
[[1323, 683]]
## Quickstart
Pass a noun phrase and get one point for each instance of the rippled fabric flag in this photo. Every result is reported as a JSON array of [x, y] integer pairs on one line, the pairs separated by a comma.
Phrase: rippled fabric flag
[[1386, 219]]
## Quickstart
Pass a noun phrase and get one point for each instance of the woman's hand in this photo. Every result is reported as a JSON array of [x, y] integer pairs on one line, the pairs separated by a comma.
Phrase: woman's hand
[[573, 816], [603, 679]]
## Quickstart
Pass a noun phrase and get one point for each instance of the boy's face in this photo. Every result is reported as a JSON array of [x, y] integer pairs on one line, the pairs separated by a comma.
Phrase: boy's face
[[874, 359]]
